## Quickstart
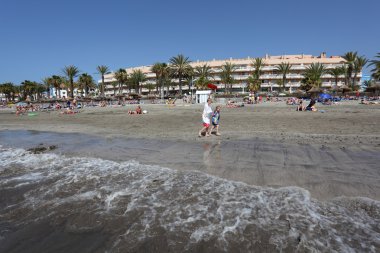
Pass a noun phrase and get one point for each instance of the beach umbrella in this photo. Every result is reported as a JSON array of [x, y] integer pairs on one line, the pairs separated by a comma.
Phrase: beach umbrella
[[298, 93], [335, 88], [212, 86], [314, 90], [134, 95], [21, 104], [345, 88], [325, 96], [373, 88]]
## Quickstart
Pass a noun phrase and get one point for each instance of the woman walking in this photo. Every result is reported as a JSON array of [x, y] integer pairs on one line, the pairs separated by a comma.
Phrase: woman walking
[[206, 118]]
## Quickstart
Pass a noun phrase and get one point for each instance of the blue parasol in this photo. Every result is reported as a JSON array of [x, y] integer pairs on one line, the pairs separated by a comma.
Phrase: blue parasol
[[325, 96]]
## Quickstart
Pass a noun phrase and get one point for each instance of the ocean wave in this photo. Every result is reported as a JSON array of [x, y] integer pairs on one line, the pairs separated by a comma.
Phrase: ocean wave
[[135, 205]]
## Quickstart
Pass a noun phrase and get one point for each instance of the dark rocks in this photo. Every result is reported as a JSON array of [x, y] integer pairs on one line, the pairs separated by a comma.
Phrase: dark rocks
[[41, 149]]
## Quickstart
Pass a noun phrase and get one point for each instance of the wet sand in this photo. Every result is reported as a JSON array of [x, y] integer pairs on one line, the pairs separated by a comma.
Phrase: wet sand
[[331, 154]]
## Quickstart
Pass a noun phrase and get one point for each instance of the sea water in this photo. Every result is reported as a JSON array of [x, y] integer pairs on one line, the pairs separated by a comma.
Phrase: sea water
[[95, 205]]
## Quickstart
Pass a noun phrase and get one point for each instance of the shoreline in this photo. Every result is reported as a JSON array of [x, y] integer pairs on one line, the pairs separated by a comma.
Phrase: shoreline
[[326, 171]]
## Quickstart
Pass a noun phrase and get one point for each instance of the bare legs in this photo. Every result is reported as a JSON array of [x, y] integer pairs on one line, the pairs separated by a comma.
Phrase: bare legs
[[216, 128], [204, 129]]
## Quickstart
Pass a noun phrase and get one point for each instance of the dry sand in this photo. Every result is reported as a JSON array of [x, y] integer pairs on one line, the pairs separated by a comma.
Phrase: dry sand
[[331, 154]]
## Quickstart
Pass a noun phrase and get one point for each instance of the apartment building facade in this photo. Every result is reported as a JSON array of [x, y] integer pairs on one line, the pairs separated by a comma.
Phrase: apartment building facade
[[270, 79]]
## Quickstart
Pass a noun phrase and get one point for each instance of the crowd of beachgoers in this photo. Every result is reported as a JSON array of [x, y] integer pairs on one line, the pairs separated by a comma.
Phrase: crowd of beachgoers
[[71, 106]]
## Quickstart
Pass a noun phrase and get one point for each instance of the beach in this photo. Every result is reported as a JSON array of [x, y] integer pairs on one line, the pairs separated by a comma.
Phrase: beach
[[325, 165]]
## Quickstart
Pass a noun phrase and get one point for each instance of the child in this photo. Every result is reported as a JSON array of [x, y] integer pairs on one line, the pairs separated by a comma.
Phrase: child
[[215, 120], [300, 107]]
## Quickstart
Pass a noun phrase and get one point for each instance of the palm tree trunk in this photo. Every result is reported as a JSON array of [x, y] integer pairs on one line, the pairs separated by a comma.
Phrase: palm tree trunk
[[157, 83], [102, 87], [161, 87], [180, 84], [71, 88], [349, 78], [354, 81]]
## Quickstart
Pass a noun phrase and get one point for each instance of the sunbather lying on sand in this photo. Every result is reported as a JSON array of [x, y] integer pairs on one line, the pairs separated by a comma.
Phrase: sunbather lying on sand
[[137, 111], [69, 111], [232, 104]]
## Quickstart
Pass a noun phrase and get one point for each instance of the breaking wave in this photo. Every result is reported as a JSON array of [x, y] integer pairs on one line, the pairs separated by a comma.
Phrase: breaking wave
[[139, 208]]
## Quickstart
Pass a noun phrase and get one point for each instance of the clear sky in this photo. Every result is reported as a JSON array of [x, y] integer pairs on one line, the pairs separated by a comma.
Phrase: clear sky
[[39, 37]]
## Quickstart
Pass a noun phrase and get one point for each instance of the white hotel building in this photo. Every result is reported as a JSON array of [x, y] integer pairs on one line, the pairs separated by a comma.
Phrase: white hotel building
[[270, 77]]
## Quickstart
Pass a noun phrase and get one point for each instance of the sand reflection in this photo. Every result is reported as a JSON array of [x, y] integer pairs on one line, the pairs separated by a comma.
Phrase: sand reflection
[[212, 158]]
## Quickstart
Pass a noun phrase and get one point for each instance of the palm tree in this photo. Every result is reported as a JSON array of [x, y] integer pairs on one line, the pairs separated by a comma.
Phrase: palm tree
[[102, 70], [227, 69], [336, 72], [28, 88], [189, 78], [114, 85], [253, 81], [367, 83], [350, 58], [253, 84], [156, 69], [136, 78], [57, 81], [149, 86], [167, 81], [160, 69], [376, 70], [40, 88], [283, 69], [313, 74], [258, 64], [47, 83], [8, 89], [86, 82], [344, 69], [359, 64], [122, 77], [203, 73], [180, 66], [71, 72]]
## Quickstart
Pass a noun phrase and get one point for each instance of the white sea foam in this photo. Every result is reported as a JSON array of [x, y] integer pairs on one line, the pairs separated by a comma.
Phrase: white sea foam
[[188, 207]]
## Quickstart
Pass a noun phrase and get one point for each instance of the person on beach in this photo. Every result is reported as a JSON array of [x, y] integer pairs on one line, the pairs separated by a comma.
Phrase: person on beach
[[137, 111], [300, 106], [206, 118], [215, 121], [311, 106]]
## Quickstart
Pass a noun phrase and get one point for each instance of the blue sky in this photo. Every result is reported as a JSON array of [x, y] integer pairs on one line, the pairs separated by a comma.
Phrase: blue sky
[[40, 37]]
